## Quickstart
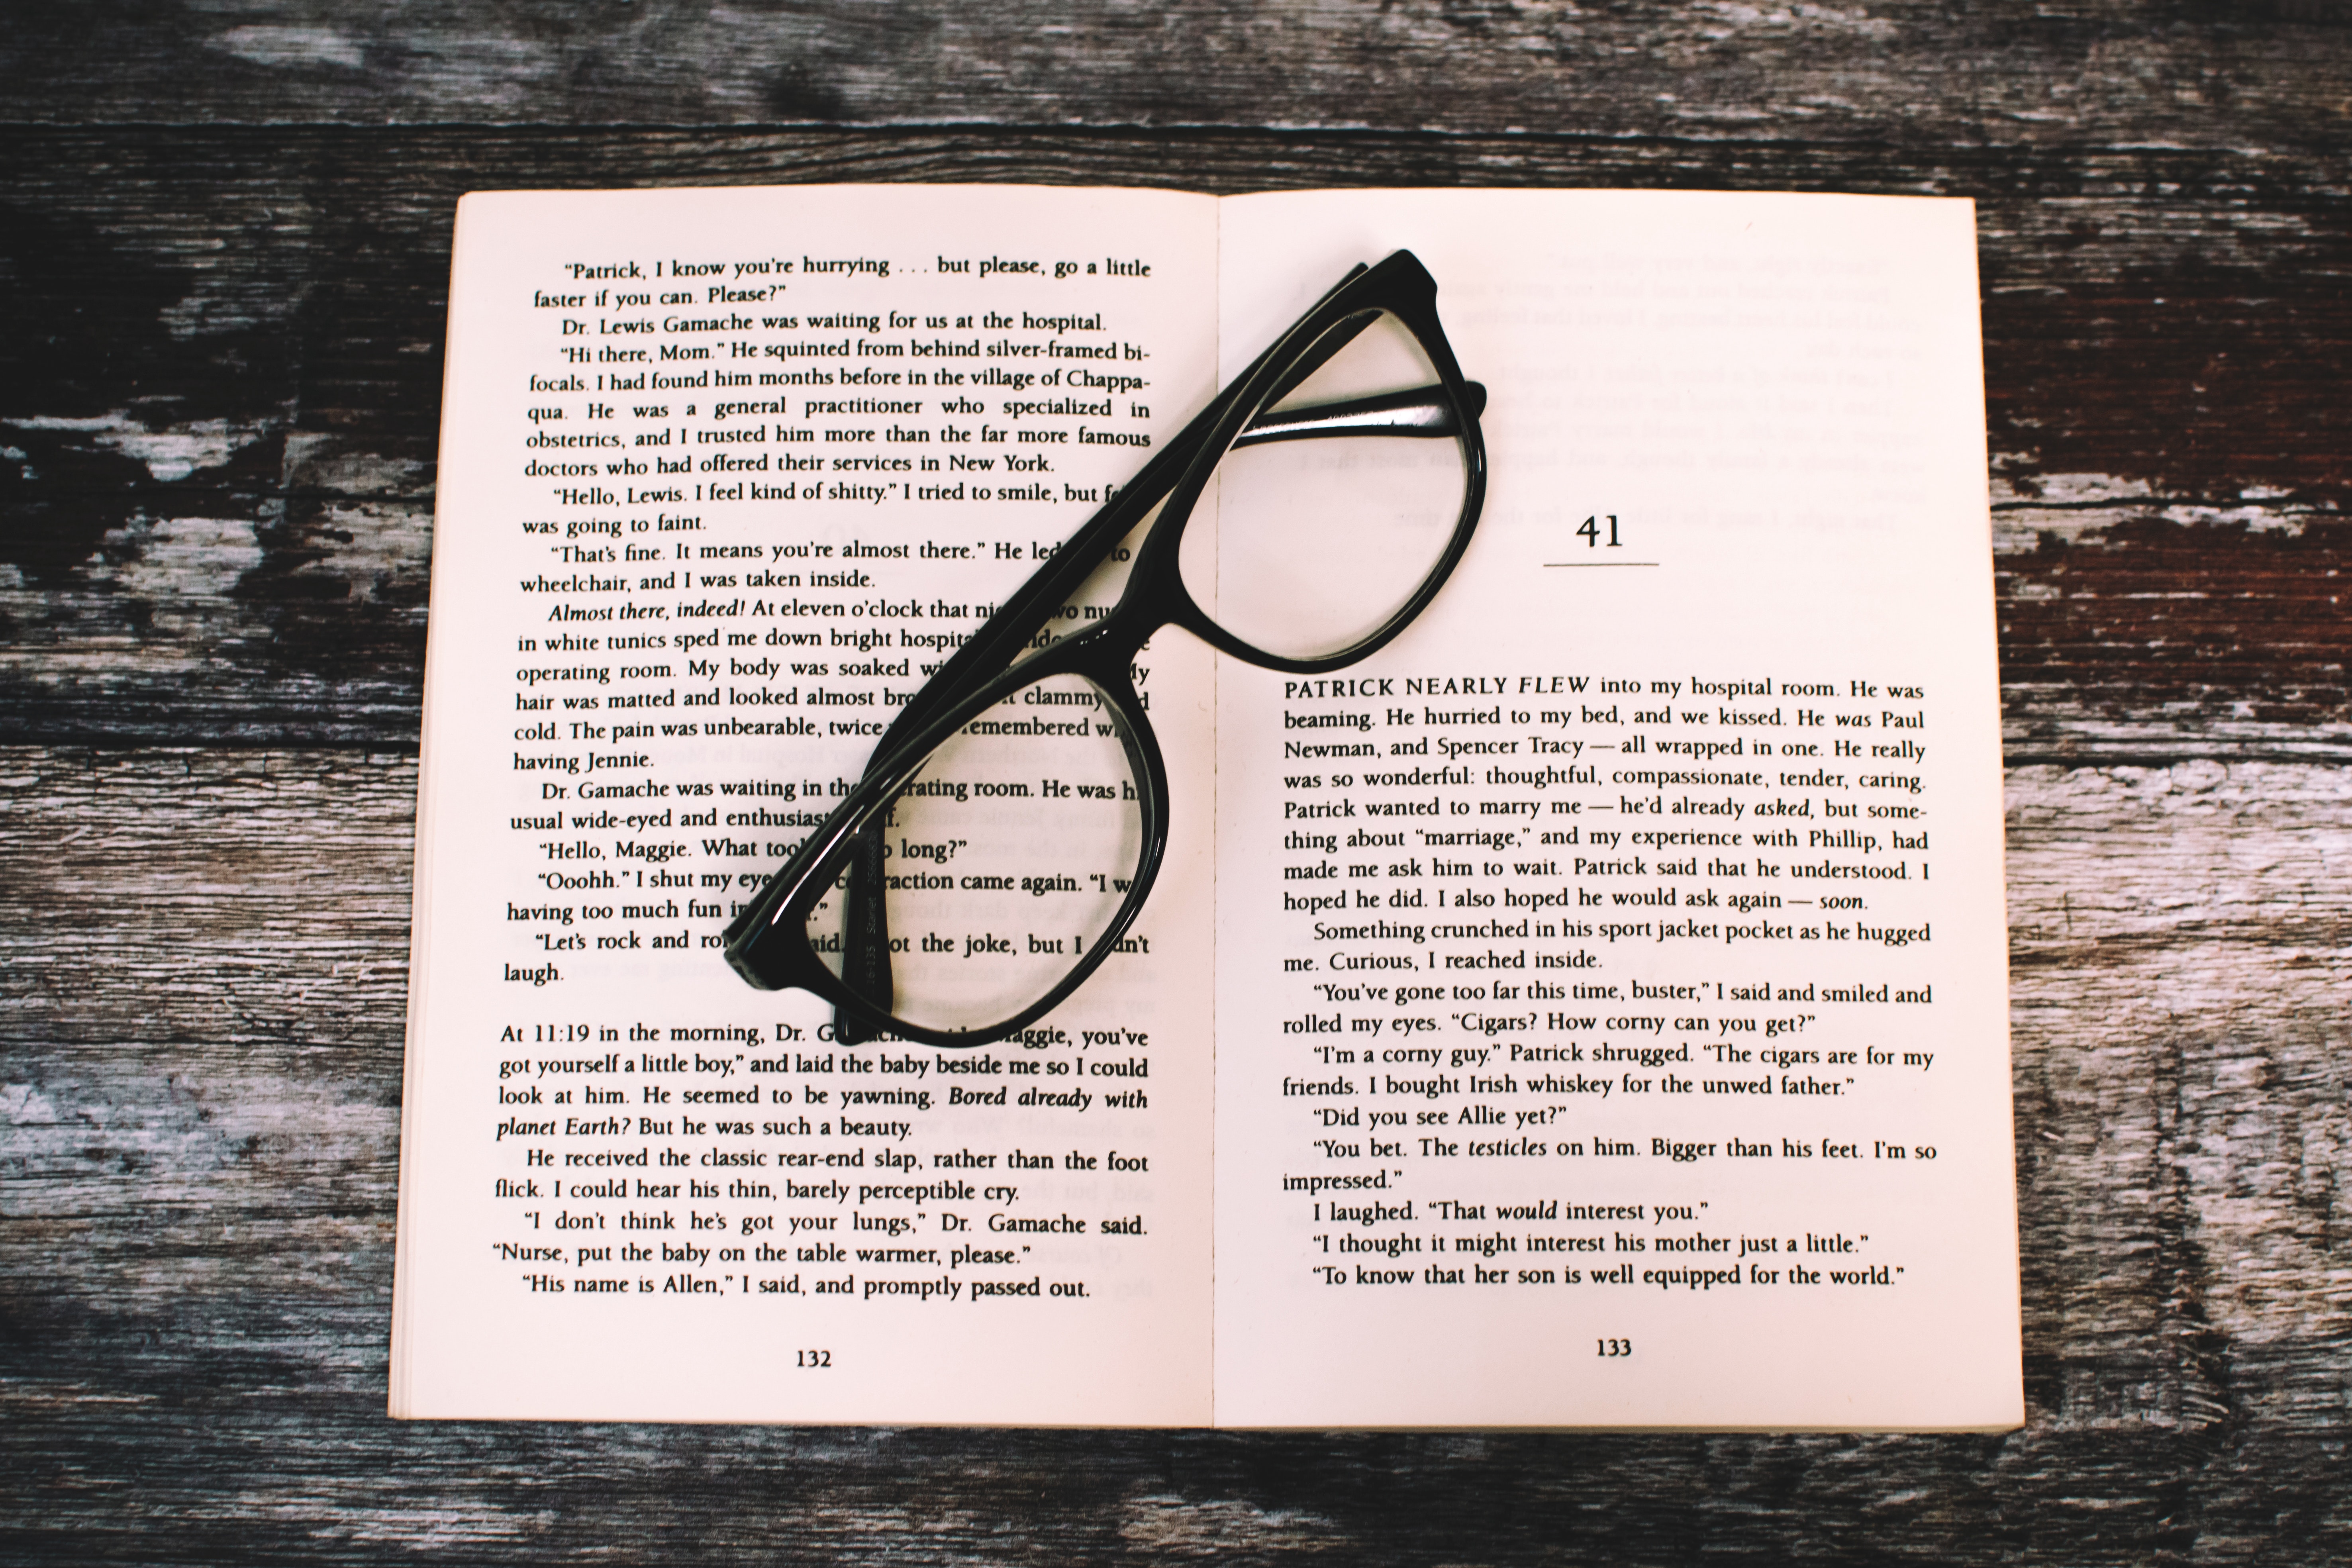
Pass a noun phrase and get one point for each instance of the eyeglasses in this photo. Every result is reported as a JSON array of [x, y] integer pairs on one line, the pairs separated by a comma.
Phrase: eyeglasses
[[1011, 821]]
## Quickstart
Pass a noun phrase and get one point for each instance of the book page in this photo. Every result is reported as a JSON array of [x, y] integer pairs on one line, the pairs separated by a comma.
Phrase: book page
[[725, 475], [1611, 990]]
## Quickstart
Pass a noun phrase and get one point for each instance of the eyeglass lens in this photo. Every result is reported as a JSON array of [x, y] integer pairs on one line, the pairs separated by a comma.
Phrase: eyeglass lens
[[1006, 858], [1306, 548]]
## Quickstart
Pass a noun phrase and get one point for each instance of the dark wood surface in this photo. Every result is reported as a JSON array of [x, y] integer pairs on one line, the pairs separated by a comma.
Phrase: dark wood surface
[[224, 238]]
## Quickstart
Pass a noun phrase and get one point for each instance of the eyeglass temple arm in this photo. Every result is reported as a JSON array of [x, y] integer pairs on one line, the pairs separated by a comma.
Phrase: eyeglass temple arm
[[1418, 411]]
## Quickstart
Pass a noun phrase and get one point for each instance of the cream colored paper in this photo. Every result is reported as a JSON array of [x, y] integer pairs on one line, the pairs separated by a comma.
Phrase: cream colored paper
[[1774, 404], [688, 1332], [1769, 410]]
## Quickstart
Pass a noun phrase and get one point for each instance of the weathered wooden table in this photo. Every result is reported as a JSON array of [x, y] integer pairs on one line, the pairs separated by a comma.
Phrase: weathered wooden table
[[223, 261]]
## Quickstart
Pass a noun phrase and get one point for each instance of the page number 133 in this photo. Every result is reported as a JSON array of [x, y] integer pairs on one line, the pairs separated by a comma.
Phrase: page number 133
[[1613, 1347]]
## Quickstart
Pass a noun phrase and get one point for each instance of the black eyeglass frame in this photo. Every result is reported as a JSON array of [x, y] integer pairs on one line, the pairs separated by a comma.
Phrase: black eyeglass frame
[[769, 943]]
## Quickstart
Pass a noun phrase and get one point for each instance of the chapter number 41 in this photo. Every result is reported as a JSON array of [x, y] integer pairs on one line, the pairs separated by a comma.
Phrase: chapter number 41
[[1592, 531]]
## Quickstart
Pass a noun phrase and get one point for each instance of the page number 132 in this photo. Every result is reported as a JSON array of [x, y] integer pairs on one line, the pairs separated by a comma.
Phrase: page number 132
[[1613, 1347], [1591, 531]]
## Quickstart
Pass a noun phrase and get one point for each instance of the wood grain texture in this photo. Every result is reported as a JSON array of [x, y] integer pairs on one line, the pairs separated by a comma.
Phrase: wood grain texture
[[224, 237], [1930, 72], [217, 425], [199, 1077]]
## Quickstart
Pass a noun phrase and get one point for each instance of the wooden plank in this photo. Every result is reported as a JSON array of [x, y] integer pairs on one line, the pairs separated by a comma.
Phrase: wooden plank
[[2178, 969], [218, 423], [199, 1076], [1945, 73]]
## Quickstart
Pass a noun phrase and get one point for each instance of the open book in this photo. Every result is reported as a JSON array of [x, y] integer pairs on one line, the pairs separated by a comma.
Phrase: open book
[[1588, 1010]]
